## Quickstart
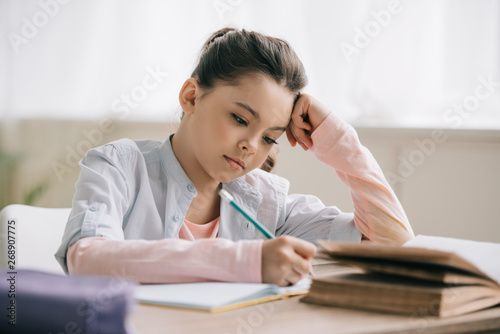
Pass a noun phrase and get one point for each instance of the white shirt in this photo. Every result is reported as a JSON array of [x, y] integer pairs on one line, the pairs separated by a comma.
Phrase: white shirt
[[138, 190]]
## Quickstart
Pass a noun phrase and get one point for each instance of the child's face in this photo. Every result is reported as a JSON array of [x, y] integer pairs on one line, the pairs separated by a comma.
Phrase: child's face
[[235, 127]]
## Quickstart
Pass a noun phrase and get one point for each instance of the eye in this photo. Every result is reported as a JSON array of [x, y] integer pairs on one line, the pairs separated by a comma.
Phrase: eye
[[239, 120], [269, 141]]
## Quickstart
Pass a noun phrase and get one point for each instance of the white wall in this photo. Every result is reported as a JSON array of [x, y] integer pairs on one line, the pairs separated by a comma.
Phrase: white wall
[[402, 62], [449, 186]]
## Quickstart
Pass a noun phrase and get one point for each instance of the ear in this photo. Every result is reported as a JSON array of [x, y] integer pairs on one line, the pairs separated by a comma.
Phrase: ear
[[188, 94]]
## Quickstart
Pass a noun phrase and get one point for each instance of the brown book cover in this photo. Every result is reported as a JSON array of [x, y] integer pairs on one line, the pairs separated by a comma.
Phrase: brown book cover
[[407, 280]]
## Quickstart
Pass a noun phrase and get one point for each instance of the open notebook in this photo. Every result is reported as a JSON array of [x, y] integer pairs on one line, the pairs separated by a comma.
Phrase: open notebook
[[216, 296]]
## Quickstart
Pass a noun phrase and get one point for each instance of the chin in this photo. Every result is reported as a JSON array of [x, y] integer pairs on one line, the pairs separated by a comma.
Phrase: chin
[[225, 177], [222, 176]]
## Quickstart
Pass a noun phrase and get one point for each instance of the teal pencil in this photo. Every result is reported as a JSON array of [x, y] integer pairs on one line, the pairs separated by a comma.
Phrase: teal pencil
[[227, 196], [224, 194]]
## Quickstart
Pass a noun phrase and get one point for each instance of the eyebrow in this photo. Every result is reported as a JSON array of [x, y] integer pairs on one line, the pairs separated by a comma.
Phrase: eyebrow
[[257, 116]]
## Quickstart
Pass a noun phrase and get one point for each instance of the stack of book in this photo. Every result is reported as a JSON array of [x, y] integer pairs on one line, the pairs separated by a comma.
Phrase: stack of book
[[429, 276]]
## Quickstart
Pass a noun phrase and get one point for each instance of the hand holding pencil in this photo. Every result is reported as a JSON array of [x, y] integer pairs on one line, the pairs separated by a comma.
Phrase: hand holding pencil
[[286, 259]]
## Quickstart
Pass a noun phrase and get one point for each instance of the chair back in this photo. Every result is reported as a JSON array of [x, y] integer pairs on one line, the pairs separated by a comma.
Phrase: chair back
[[29, 237]]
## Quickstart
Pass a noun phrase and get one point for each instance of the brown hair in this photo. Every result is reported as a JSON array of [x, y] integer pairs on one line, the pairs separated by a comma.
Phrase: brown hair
[[230, 53]]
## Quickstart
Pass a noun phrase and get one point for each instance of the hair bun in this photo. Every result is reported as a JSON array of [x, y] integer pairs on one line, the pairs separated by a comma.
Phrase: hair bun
[[230, 53], [217, 34]]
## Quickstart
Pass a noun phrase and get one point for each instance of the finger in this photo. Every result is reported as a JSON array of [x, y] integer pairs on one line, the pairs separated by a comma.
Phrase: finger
[[290, 137], [302, 267], [300, 133], [284, 282], [298, 120], [299, 123], [300, 113], [294, 277], [301, 137], [304, 140], [305, 249], [294, 130]]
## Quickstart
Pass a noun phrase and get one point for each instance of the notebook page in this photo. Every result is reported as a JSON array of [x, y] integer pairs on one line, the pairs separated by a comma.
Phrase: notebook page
[[302, 285], [201, 295], [484, 255]]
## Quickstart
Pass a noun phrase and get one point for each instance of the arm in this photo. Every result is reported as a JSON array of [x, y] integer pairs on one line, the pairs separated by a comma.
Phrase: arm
[[94, 240], [378, 215], [168, 260]]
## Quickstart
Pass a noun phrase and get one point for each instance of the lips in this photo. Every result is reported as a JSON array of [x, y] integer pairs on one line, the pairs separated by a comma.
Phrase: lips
[[235, 163]]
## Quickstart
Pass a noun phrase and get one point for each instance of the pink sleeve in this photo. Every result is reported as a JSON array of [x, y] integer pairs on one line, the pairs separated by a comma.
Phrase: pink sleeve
[[168, 260], [377, 212]]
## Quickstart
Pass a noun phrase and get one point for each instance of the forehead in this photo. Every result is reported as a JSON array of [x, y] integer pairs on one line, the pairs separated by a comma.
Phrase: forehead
[[272, 101]]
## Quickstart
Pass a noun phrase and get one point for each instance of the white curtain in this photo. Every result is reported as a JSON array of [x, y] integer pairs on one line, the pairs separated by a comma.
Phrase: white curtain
[[429, 63]]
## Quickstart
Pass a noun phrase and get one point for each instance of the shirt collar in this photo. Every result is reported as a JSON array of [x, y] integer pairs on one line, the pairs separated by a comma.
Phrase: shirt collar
[[239, 188], [173, 168]]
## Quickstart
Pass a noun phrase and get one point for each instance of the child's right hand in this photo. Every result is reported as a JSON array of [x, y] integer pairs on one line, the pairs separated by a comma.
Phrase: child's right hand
[[286, 260]]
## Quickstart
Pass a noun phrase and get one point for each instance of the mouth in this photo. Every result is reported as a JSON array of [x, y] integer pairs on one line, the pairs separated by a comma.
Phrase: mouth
[[235, 163]]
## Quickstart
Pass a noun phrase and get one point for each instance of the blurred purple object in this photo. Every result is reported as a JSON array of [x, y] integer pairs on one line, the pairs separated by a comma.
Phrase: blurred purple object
[[40, 302]]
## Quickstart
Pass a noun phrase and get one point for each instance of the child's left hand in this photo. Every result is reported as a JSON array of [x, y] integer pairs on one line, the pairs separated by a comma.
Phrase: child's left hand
[[308, 113]]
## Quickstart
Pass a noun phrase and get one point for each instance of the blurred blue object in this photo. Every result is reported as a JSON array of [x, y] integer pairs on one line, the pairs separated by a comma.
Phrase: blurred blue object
[[40, 302]]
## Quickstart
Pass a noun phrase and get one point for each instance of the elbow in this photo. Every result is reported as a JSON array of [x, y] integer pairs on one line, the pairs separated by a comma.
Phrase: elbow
[[406, 236], [79, 257], [389, 234], [75, 259], [400, 237]]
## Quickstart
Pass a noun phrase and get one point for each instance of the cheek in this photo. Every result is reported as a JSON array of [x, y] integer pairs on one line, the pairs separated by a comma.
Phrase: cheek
[[212, 131], [261, 156], [222, 134]]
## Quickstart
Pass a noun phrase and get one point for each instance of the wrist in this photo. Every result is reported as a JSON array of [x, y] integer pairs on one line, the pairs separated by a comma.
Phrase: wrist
[[318, 120], [330, 131]]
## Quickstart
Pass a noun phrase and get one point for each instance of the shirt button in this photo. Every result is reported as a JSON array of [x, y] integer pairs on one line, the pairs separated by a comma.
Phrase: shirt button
[[94, 207], [177, 218], [191, 188]]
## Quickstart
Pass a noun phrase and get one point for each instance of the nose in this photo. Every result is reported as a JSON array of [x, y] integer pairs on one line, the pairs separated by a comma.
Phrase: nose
[[249, 145]]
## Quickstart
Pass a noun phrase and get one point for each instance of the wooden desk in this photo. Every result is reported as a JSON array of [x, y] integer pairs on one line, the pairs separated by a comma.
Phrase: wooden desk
[[291, 316]]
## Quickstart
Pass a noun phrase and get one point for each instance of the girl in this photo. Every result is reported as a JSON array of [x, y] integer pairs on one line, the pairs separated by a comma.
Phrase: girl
[[150, 211]]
